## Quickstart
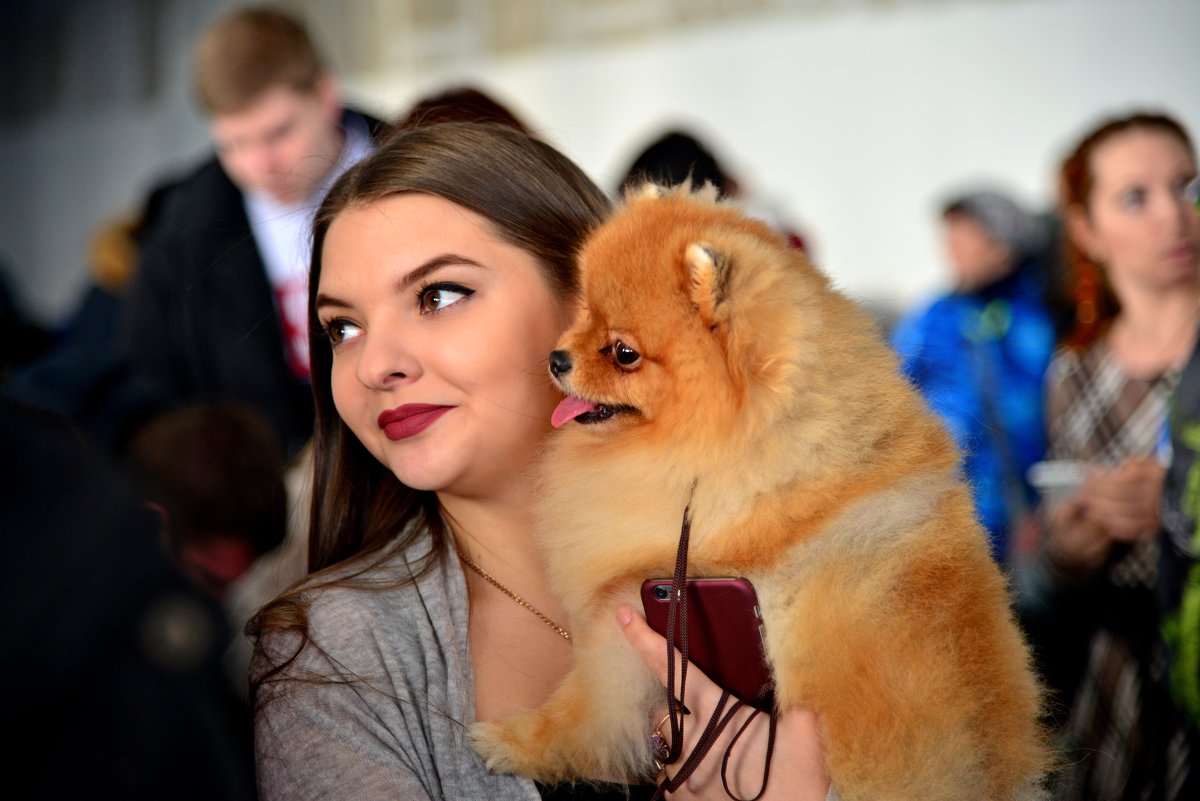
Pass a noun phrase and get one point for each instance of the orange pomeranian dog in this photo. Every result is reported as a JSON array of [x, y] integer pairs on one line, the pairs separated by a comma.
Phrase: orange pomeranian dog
[[708, 351]]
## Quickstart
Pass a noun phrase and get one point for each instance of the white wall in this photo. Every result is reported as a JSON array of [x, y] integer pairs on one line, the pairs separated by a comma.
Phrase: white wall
[[859, 122], [855, 121]]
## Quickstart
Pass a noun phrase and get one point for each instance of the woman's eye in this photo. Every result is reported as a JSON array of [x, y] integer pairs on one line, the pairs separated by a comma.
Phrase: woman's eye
[[1189, 189], [339, 331], [1133, 199], [433, 299]]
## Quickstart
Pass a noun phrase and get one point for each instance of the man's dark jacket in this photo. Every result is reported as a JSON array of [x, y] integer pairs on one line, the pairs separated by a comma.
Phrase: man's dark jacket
[[201, 319]]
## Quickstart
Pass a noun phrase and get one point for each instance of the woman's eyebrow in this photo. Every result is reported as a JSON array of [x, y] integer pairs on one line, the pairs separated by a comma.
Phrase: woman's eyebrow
[[324, 300], [412, 277], [433, 265]]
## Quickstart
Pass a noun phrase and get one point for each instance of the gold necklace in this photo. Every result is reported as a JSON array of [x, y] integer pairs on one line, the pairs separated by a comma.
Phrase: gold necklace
[[561, 631]]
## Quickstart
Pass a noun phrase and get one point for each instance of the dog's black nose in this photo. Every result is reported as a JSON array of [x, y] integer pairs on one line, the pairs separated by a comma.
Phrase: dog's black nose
[[560, 363]]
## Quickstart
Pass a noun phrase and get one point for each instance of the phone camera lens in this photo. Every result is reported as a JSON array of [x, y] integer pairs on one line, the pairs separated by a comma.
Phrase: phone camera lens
[[662, 592]]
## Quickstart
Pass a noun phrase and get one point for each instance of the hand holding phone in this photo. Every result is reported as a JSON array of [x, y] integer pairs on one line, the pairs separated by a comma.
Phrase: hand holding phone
[[724, 632]]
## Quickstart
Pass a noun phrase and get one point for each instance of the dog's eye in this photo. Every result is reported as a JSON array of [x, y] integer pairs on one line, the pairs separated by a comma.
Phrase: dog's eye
[[626, 356]]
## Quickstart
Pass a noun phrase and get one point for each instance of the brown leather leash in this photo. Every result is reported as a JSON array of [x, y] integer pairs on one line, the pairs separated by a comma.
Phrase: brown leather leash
[[677, 642]]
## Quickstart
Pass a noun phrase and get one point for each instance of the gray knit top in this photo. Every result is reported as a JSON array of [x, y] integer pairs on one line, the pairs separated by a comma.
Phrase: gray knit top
[[393, 725]]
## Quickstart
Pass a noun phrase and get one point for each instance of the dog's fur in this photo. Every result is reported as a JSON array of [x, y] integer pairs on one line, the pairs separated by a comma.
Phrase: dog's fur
[[822, 477]]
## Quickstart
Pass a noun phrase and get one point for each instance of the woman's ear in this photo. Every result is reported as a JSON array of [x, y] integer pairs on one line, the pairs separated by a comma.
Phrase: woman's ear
[[1083, 233], [329, 94]]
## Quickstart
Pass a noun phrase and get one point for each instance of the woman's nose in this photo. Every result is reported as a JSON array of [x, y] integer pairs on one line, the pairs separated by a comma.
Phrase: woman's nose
[[385, 361]]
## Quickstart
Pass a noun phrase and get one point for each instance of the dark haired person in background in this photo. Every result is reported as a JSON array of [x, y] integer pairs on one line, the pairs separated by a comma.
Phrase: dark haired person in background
[[456, 104], [677, 156]]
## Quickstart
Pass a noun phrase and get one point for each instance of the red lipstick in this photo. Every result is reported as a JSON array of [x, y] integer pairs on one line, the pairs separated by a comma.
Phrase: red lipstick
[[1182, 252], [410, 419]]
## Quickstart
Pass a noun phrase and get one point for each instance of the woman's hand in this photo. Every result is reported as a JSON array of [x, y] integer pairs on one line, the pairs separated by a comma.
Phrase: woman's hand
[[798, 766], [1075, 541], [1117, 504], [1124, 500]]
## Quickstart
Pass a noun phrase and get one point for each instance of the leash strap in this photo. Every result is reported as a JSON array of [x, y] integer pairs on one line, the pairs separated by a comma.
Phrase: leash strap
[[677, 642]]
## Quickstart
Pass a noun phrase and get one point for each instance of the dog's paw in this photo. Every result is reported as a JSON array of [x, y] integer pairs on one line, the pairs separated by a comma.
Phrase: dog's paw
[[504, 750]]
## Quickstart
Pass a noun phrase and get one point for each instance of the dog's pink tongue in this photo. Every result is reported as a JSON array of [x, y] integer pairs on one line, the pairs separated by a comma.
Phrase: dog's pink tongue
[[570, 408]]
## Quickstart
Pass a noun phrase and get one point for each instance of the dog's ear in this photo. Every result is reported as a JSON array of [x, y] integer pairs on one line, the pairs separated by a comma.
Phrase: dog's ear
[[709, 269]]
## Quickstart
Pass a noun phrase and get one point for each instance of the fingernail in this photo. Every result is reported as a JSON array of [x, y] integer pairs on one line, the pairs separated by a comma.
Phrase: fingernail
[[624, 614]]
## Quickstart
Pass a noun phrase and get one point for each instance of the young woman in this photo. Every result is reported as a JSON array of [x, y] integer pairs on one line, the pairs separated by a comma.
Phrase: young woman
[[1134, 239], [442, 276]]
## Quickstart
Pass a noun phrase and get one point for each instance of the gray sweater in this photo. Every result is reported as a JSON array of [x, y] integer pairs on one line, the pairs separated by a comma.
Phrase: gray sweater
[[395, 725]]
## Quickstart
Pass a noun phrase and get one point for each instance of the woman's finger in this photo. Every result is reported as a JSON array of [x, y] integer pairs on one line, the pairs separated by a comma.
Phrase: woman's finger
[[652, 648]]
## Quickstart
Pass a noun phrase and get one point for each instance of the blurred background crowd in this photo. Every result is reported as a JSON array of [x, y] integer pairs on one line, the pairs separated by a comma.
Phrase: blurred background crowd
[[947, 162]]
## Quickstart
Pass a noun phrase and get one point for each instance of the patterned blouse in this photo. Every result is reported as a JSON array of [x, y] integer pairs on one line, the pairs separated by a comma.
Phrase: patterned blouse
[[1095, 412], [1119, 743]]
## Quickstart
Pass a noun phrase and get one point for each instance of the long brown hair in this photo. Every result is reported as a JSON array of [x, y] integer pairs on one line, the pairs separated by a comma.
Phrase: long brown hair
[[1096, 305], [536, 199]]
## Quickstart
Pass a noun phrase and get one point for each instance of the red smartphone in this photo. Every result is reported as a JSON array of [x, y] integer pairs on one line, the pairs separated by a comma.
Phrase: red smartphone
[[725, 637]]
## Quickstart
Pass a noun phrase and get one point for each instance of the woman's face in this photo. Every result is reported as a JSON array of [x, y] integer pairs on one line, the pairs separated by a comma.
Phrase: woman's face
[[1139, 223], [440, 334]]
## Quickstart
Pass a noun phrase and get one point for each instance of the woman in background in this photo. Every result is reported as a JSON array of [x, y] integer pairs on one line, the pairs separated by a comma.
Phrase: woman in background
[[1088, 598]]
